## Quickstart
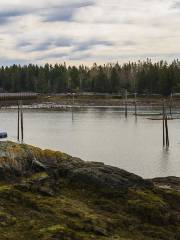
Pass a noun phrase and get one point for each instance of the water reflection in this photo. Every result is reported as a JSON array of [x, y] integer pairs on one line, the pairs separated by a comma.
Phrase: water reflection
[[72, 110], [136, 119], [164, 160], [132, 143]]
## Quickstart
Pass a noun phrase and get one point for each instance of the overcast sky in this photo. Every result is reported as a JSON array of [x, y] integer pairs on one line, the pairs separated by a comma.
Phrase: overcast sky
[[87, 31]]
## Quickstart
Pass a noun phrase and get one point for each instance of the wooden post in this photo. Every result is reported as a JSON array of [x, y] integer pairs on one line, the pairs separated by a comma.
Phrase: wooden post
[[126, 103], [22, 124], [165, 126], [167, 133], [18, 123], [163, 130], [163, 118]]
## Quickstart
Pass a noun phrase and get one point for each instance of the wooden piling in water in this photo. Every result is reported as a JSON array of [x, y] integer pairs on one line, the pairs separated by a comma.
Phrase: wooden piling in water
[[163, 118], [167, 133], [163, 130], [18, 123], [165, 126], [22, 124]]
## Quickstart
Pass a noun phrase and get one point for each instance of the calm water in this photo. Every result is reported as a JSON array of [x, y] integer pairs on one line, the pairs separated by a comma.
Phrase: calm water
[[102, 135]]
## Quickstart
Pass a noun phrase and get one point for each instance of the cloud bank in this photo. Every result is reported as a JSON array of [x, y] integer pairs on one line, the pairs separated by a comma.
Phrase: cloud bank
[[87, 31]]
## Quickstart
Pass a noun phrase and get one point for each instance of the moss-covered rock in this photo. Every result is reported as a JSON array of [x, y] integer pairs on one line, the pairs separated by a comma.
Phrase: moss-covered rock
[[51, 195]]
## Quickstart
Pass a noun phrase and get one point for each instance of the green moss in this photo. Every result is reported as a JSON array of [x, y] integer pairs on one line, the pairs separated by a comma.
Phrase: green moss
[[53, 229], [6, 219], [72, 214], [149, 196], [80, 212], [4, 188], [39, 176]]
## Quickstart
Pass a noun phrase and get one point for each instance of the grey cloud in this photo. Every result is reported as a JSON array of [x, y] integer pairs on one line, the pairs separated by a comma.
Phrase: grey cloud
[[78, 52], [9, 61], [79, 4], [6, 15], [63, 42], [66, 56], [45, 45], [57, 12], [80, 48], [64, 12], [41, 46], [139, 30], [83, 46], [176, 5], [23, 44], [52, 55]]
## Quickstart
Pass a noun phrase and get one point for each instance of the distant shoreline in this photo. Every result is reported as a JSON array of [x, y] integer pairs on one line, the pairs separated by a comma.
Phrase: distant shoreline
[[67, 100]]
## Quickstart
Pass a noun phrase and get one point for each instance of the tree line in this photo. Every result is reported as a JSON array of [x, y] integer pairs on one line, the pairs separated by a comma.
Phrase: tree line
[[143, 77]]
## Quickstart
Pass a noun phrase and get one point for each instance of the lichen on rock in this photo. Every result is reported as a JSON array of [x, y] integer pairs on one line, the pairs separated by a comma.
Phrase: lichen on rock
[[50, 195]]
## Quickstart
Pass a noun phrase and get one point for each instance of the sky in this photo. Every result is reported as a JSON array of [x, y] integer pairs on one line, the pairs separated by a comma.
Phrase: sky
[[88, 31]]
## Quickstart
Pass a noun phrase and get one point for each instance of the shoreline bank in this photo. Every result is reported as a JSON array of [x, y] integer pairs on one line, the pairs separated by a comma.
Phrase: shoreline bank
[[93, 100], [50, 195], [67, 102]]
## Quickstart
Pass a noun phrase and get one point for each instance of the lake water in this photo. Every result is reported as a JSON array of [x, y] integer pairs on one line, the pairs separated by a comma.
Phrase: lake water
[[103, 135]]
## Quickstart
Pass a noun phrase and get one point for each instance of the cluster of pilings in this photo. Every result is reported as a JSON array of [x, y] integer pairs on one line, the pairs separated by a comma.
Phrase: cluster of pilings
[[20, 124], [164, 115]]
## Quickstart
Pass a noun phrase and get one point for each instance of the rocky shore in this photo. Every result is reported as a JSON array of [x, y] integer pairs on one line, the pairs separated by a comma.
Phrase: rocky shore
[[51, 195]]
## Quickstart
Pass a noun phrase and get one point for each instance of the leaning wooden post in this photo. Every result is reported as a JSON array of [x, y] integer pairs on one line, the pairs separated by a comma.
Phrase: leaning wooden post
[[126, 103], [22, 124], [18, 123]]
